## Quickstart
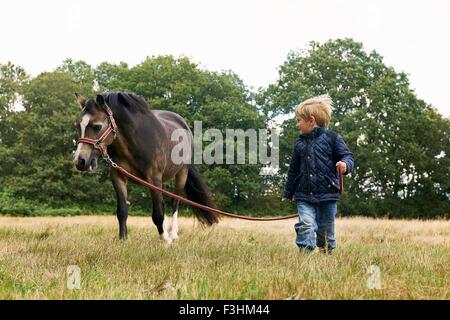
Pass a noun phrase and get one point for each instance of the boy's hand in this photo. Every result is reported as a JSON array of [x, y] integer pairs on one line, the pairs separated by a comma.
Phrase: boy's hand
[[341, 166], [287, 199]]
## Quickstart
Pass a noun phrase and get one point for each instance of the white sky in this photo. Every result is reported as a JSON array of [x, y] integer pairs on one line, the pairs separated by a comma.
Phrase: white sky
[[250, 37]]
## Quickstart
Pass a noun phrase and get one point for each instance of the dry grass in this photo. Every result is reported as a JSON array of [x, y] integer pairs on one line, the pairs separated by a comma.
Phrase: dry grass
[[233, 260]]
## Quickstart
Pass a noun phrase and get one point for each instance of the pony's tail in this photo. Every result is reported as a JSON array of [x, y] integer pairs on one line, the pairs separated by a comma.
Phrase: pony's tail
[[197, 191]]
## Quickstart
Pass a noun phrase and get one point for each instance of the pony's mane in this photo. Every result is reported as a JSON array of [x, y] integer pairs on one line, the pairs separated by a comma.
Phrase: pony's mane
[[130, 101]]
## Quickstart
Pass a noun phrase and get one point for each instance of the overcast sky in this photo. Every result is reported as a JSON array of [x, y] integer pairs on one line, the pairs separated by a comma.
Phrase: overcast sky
[[250, 37]]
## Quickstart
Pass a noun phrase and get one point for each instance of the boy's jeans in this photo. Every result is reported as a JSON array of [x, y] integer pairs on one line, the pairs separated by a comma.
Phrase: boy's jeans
[[316, 218]]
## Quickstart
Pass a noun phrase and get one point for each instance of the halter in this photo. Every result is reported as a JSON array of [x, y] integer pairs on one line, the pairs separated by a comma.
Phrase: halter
[[98, 143]]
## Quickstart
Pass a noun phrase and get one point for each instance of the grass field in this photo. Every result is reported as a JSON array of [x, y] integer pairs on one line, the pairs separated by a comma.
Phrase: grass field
[[234, 260]]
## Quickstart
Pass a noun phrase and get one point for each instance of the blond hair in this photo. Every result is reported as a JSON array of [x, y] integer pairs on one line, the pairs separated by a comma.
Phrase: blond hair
[[319, 107]]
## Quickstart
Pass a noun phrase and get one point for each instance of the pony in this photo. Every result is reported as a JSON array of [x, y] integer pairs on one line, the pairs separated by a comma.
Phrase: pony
[[139, 139]]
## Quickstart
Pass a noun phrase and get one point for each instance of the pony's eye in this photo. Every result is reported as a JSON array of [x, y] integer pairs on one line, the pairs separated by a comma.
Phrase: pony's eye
[[97, 128]]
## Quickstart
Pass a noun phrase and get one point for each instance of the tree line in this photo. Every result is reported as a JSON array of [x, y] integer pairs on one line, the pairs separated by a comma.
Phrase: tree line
[[401, 143]]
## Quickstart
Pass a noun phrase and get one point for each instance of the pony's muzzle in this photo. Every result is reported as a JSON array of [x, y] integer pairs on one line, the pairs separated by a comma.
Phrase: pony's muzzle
[[86, 165]]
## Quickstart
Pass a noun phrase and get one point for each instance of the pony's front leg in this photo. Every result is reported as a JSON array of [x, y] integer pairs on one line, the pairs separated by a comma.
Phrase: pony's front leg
[[158, 213], [120, 185]]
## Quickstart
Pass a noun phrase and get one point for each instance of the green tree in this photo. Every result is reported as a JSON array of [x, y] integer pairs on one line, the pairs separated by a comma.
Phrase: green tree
[[82, 74], [12, 78]]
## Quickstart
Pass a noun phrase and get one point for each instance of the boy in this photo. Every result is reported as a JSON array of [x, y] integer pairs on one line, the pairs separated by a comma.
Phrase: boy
[[313, 177]]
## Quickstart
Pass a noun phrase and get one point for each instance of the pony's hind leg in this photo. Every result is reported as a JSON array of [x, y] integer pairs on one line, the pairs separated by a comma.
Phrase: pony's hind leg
[[180, 181], [158, 212], [173, 230]]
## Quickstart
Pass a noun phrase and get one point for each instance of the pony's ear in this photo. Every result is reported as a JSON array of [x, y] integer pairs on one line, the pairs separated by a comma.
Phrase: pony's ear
[[81, 100], [100, 101]]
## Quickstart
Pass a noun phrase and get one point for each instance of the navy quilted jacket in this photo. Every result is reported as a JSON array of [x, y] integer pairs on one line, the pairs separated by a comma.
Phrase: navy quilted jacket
[[312, 174]]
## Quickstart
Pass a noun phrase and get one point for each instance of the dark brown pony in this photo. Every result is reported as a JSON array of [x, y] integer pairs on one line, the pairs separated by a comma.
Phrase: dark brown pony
[[143, 146]]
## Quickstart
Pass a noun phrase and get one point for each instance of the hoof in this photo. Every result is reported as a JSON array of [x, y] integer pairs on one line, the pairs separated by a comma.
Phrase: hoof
[[166, 238]]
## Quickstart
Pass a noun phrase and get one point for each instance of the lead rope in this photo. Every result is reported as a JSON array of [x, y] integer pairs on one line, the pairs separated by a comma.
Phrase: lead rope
[[98, 144], [192, 203]]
